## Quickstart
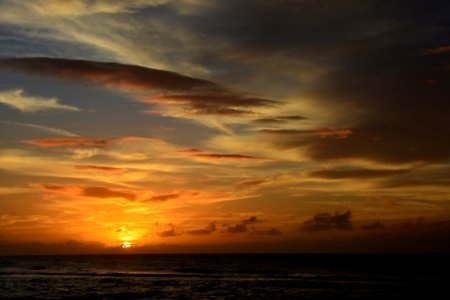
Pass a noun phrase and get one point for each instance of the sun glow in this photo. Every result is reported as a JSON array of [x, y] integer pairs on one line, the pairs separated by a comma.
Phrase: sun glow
[[126, 245]]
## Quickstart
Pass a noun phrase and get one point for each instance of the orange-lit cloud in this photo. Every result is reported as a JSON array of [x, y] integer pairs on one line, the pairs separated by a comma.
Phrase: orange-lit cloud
[[202, 96], [87, 191], [103, 192], [214, 104], [85, 142], [164, 197], [101, 169], [68, 142], [439, 50], [322, 133], [114, 75], [356, 173], [195, 153]]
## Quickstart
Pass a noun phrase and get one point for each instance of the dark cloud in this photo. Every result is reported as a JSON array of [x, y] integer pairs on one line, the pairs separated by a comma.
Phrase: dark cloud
[[115, 75], [374, 226], [85, 142], [251, 220], [52, 187], [198, 96], [214, 156], [195, 153], [271, 231], [164, 197], [101, 169], [356, 173], [238, 228], [326, 221], [212, 104], [102, 192], [207, 230], [242, 227], [168, 233], [279, 119], [385, 69]]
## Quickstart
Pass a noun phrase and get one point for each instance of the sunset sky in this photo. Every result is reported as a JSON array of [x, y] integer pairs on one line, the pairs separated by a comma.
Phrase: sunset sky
[[224, 126]]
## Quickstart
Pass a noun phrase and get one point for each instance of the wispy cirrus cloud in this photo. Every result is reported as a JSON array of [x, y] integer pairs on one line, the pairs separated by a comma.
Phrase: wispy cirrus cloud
[[43, 128], [17, 99], [85, 142], [100, 169], [196, 153]]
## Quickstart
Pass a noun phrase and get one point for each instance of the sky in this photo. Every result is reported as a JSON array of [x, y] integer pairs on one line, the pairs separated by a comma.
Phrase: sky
[[180, 126]]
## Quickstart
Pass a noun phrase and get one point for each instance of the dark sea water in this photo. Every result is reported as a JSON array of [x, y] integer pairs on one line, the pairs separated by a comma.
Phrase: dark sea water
[[303, 276]]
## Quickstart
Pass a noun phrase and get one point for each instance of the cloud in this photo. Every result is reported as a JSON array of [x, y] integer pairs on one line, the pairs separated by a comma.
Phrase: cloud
[[212, 104], [356, 173], [69, 142], [86, 142], [203, 97], [195, 153], [46, 129], [205, 231], [168, 233], [326, 221], [101, 169], [279, 119], [251, 220], [56, 8], [238, 228], [374, 226], [249, 184], [439, 50], [242, 227], [113, 75], [103, 192], [164, 197], [321, 133], [86, 191], [17, 99], [272, 231]]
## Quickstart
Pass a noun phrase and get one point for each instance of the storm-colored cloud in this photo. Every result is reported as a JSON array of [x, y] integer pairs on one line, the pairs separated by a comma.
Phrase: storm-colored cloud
[[327, 221], [196, 153], [198, 96], [87, 191], [168, 233], [356, 173], [243, 225], [103, 192], [374, 226], [204, 231], [212, 104], [17, 99], [164, 197]]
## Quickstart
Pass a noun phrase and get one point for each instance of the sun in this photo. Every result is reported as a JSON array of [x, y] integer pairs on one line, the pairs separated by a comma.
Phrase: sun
[[126, 245]]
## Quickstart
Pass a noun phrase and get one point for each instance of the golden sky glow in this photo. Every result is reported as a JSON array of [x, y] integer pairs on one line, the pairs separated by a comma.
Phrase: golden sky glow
[[221, 126]]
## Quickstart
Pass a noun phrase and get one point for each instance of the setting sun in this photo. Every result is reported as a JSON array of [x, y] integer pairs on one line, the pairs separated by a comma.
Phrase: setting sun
[[126, 245]]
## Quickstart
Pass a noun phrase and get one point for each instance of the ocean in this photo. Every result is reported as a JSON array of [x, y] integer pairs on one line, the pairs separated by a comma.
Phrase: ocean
[[226, 276]]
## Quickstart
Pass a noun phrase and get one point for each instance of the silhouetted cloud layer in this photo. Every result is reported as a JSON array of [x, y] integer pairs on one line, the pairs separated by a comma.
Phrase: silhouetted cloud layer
[[199, 96], [205, 231], [326, 221]]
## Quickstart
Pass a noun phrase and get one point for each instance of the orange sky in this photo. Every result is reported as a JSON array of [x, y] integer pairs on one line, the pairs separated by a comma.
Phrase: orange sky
[[191, 126]]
